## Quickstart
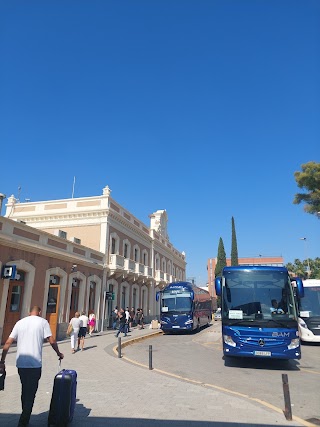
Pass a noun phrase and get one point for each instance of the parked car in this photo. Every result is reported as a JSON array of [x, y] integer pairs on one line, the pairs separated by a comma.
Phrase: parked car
[[217, 314]]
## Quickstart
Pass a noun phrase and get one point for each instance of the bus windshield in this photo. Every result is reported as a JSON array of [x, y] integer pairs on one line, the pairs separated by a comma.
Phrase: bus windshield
[[176, 301], [309, 305], [256, 294]]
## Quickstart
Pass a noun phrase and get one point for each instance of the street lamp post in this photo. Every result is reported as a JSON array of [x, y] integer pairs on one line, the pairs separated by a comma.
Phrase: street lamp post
[[306, 253]]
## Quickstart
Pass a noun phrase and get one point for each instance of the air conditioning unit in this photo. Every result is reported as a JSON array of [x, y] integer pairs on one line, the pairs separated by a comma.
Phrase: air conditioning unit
[[61, 233], [76, 240]]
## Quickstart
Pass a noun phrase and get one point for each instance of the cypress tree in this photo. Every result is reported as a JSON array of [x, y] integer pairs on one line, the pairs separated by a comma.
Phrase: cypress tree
[[234, 247], [221, 259]]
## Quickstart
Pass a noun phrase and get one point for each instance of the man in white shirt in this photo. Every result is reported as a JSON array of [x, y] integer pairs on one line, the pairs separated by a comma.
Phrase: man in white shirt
[[83, 329], [127, 313], [29, 332]]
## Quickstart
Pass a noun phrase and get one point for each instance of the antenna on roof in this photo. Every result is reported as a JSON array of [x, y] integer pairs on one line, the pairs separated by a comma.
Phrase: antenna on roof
[[19, 192], [74, 183]]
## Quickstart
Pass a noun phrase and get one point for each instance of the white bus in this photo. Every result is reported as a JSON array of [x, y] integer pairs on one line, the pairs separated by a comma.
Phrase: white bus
[[309, 311]]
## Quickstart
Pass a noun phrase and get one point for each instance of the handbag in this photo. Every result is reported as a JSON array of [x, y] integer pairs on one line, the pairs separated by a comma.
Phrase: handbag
[[70, 329]]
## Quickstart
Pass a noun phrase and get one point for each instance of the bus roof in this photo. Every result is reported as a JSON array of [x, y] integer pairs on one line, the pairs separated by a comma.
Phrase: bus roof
[[178, 284], [187, 285], [255, 267]]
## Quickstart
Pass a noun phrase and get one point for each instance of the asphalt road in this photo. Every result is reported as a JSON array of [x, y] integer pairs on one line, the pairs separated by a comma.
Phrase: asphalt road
[[199, 357]]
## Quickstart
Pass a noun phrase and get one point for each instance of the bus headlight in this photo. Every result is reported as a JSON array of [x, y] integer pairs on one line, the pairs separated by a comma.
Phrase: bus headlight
[[302, 323], [228, 340], [163, 322], [294, 343], [188, 322]]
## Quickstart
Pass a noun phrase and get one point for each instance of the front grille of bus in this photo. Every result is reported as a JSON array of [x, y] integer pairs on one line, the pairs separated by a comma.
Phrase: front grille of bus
[[254, 342], [314, 325]]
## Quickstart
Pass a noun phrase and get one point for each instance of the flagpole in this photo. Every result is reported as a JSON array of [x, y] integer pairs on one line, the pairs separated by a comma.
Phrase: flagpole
[[74, 182]]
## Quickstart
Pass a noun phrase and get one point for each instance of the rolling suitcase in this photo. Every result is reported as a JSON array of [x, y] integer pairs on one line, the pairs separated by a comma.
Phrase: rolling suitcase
[[2, 378], [63, 398]]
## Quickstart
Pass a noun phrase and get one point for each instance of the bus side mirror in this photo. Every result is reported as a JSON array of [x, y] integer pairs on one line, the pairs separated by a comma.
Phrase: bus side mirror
[[218, 286], [299, 287]]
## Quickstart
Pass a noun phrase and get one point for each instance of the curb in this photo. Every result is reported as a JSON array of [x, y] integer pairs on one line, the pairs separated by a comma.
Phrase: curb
[[134, 340]]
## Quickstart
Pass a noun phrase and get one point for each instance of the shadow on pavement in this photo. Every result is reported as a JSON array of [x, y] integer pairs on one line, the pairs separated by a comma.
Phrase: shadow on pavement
[[270, 364], [82, 419]]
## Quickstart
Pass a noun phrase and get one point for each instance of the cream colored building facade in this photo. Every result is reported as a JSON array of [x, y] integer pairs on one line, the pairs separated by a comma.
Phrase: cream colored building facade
[[137, 261]]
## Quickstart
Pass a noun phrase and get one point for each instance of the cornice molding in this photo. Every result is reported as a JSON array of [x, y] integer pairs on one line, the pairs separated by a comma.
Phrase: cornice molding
[[63, 217], [49, 252]]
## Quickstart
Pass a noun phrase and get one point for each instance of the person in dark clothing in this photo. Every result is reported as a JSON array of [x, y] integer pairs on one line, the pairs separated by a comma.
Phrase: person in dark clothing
[[140, 318], [122, 323], [115, 318]]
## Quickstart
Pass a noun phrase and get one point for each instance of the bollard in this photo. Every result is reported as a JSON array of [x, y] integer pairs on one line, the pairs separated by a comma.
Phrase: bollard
[[119, 347], [287, 402], [150, 357]]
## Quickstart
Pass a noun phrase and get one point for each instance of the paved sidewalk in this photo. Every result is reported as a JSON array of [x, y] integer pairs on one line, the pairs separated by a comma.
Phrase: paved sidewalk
[[113, 393]]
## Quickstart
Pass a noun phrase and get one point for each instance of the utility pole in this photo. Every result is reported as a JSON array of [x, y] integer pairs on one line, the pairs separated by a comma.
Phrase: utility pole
[[306, 254]]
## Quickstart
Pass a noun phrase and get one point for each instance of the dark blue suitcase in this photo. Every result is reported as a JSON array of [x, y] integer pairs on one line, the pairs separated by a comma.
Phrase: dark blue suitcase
[[63, 400]]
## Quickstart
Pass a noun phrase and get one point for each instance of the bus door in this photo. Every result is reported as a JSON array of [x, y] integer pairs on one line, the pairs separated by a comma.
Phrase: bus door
[[53, 307], [14, 304]]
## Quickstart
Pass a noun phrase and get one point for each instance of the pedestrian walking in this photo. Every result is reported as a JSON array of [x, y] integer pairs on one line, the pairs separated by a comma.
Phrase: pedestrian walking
[[127, 313], [122, 323], [115, 318], [83, 330], [29, 333], [140, 318], [92, 323], [75, 322], [132, 318]]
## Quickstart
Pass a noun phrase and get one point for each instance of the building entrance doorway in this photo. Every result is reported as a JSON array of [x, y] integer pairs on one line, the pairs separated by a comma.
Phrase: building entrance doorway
[[53, 307], [74, 297], [13, 307]]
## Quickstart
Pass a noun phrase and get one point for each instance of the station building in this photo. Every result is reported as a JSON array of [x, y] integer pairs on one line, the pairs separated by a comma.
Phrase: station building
[[80, 254]]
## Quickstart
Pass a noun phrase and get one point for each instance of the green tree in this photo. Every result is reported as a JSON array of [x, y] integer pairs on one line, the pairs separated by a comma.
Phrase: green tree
[[309, 180], [234, 246], [299, 268], [221, 259]]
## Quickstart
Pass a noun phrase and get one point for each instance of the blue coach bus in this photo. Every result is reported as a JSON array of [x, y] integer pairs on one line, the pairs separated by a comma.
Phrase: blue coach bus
[[259, 316], [184, 307]]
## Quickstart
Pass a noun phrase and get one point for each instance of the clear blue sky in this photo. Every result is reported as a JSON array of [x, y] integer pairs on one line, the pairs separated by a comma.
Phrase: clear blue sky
[[204, 108]]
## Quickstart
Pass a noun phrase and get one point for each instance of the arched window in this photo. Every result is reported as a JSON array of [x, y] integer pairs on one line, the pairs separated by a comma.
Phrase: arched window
[[136, 253], [92, 292], [126, 248], [145, 257], [157, 262], [169, 268], [114, 243]]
